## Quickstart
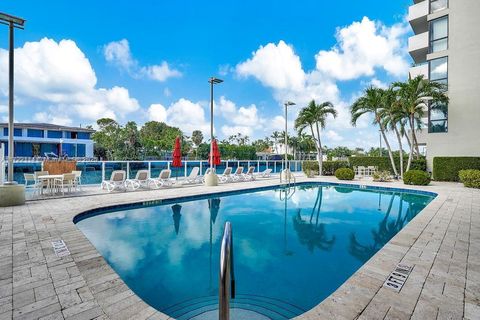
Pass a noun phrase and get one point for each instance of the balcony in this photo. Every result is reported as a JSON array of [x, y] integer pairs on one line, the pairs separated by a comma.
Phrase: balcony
[[418, 70], [417, 16], [418, 47]]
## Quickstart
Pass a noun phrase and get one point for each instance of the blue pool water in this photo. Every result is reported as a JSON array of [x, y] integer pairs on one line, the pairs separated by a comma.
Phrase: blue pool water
[[289, 255]]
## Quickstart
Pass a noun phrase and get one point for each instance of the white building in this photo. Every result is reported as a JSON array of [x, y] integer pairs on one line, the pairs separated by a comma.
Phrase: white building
[[446, 48]]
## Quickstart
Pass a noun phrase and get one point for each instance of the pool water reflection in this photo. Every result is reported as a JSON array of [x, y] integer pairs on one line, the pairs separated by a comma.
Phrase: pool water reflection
[[289, 254]]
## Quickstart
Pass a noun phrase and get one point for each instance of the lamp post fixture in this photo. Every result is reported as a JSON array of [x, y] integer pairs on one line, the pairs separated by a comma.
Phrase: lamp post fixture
[[286, 104], [213, 81], [12, 23]]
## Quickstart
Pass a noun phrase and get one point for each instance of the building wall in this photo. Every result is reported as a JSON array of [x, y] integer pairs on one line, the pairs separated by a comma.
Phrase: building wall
[[463, 136]]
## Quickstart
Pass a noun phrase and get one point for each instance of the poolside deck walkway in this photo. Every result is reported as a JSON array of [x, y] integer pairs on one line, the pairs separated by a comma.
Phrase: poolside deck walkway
[[442, 243]]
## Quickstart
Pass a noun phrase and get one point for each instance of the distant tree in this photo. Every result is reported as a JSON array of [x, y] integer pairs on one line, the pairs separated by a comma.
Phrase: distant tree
[[158, 137], [197, 138], [107, 137]]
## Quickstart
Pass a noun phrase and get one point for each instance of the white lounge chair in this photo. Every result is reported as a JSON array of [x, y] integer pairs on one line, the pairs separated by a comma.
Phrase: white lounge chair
[[193, 177], [162, 180], [117, 181], [140, 180], [248, 176], [264, 174], [226, 175], [238, 174]]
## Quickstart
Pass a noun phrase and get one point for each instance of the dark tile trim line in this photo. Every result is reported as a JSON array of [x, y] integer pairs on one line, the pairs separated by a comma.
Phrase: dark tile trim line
[[151, 203]]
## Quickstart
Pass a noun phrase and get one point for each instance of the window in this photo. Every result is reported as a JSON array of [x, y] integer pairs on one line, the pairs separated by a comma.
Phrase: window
[[84, 135], [17, 132], [437, 117], [437, 5], [439, 34], [439, 70], [54, 134], [35, 133]]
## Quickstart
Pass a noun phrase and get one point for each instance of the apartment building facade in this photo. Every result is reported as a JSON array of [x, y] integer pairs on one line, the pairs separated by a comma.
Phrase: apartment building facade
[[445, 48], [39, 139]]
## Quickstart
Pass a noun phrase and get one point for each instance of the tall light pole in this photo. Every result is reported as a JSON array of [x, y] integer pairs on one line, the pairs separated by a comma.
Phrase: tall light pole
[[12, 23], [213, 81], [286, 104]]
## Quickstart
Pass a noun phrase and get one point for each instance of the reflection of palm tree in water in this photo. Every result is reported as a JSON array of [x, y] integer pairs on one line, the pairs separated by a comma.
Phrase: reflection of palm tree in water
[[386, 230], [313, 234]]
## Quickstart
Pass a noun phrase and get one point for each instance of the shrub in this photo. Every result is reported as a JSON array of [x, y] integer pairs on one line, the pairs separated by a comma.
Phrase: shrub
[[416, 177], [344, 174], [383, 163], [447, 168], [328, 167], [382, 176], [470, 178]]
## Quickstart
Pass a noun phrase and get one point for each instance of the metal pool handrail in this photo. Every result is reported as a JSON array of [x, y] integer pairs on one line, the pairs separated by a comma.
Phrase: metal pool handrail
[[226, 288]]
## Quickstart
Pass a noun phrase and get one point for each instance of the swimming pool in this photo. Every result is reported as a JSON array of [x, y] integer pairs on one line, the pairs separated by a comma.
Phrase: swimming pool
[[289, 254]]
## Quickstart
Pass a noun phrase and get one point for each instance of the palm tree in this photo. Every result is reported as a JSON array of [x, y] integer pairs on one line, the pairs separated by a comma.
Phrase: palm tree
[[372, 101], [275, 136], [315, 115], [414, 96], [393, 115]]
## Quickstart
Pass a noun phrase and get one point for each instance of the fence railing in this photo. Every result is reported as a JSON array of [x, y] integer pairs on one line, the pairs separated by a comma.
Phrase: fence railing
[[94, 172]]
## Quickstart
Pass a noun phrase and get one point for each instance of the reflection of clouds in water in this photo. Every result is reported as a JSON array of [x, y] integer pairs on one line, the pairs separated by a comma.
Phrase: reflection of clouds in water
[[253, 254]]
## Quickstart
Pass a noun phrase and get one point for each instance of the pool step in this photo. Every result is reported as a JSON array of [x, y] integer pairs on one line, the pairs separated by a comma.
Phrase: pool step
[[265, 307]]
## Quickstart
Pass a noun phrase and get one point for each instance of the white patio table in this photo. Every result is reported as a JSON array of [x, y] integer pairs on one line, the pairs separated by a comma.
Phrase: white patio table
[[50, 179]]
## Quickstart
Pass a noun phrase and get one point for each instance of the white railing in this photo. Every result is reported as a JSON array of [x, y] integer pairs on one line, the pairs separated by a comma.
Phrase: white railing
[[94, 172]]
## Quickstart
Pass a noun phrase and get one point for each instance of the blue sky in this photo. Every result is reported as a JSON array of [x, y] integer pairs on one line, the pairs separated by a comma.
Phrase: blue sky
[[150, 60]]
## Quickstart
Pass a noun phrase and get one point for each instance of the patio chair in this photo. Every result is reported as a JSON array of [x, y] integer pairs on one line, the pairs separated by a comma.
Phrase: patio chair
[[226, 175], [78, 178], [193, 177], [68, 180], [140, 180], [117, 181], [264, 174], [249, 175], [162, 180], [29, 177], [40, 184], [238, 174]]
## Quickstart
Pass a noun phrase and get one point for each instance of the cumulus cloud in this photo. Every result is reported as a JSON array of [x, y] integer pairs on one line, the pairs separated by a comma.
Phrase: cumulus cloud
[[118, 53], [361, 48], [184, 114], [58, 76]]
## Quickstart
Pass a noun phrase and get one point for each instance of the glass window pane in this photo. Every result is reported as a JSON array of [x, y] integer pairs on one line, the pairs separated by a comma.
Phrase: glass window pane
[[438, 111], [438, 69], [439, 45], [439, 126], [437, 5], [439, 28]]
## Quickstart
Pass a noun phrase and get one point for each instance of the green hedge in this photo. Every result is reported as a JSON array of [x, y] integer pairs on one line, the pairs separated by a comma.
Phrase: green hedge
[[470, 178], [447, 168], [383, 163], [328, 167], [344, 174], [416, 177]]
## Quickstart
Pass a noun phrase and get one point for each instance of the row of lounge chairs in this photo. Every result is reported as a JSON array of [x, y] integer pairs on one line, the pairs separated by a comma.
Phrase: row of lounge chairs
[[142, 180]]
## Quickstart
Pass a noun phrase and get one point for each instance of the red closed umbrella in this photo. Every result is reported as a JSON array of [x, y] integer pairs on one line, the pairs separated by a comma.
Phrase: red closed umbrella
[[216, 154], [177, 155]]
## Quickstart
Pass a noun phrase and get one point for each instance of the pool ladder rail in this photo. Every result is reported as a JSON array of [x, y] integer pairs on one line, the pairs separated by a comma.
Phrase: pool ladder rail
[[226, 288]]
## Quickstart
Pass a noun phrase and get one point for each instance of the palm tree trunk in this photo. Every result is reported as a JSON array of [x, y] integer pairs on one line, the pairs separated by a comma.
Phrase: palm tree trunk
[[390, 154], [399, 138], [320, 151], [416, 146], [412, 128]]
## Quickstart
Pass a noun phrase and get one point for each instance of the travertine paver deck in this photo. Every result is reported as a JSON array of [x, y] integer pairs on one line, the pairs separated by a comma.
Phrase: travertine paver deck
[[442, 243]]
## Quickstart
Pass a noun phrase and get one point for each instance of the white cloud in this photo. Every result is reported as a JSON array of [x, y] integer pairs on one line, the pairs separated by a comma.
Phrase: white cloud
[[44, 117], [361, 48], [275, 66], [184, 114], [58, 76], [118, 53]]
